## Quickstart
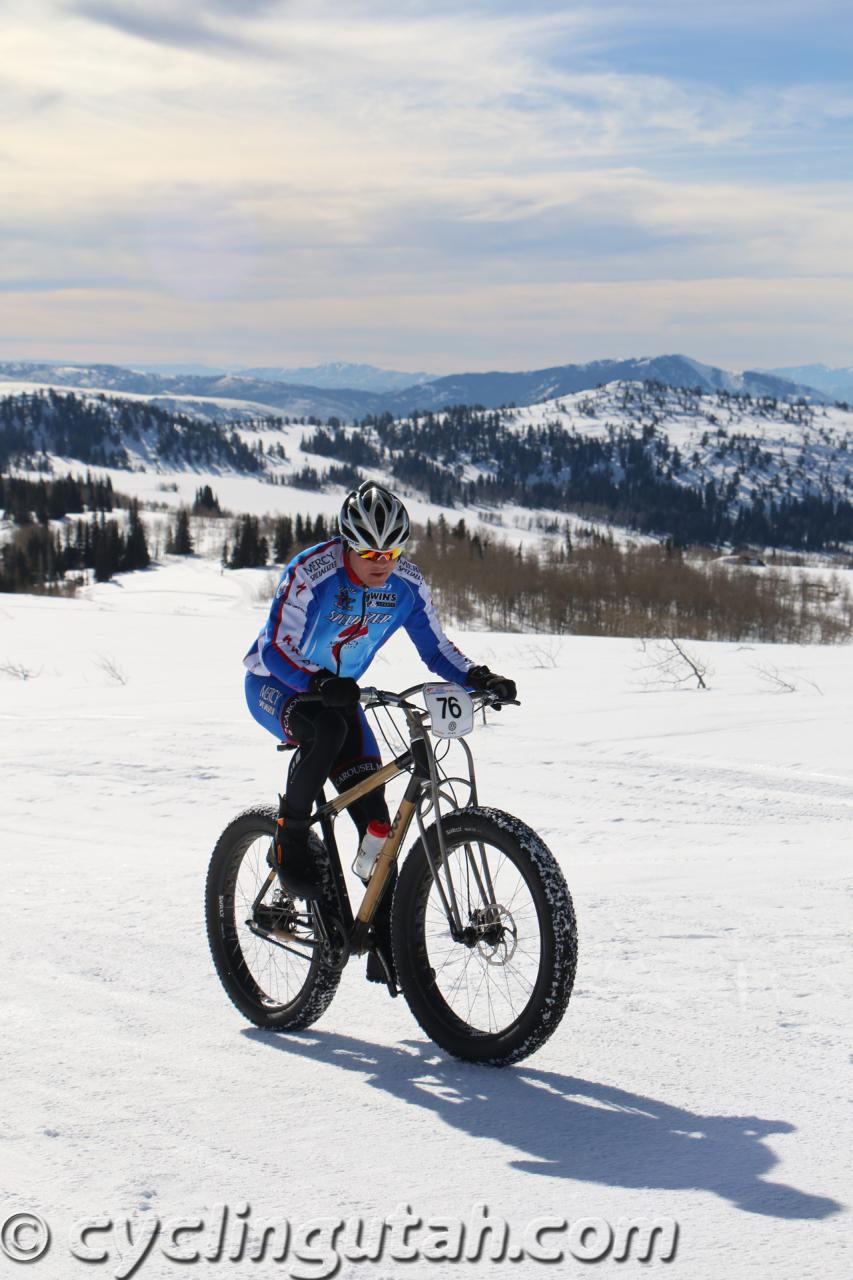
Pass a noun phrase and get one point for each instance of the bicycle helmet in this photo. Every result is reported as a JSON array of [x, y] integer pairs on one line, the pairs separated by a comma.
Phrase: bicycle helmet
[[373, 519]]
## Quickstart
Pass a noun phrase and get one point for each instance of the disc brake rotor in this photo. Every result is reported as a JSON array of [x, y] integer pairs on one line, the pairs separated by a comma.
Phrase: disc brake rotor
[[498, 934]]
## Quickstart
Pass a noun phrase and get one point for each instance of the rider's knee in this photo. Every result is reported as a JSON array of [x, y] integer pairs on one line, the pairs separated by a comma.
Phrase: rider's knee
[[331, 726]]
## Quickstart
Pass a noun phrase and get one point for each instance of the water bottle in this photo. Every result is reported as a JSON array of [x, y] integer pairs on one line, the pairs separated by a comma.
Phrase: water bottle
[[374, 838]]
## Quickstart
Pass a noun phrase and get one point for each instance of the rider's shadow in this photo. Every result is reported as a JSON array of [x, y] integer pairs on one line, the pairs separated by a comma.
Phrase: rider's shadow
[[570, 1128]]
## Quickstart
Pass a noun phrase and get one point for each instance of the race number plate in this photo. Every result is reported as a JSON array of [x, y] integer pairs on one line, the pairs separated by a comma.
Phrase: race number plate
[[451, 710]]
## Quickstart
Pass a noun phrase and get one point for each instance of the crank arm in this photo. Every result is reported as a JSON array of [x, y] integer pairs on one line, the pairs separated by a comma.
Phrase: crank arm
[[329, 931]]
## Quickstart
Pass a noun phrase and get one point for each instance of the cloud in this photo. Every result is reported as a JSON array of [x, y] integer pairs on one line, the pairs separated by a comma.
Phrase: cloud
[[265, 154], [736, 323], [167, 25]]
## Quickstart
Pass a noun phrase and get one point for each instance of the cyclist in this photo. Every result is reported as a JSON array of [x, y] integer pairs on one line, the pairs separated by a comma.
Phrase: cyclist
[[336, 604]]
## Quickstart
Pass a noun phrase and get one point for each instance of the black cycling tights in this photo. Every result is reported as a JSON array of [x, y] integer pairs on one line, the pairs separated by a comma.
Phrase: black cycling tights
[[332, 744]]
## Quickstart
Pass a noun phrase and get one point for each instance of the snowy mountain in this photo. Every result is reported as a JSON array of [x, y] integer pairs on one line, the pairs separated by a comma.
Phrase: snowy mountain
[[339, 375], [293, 400], [495, 389], [334, 375], [836, 383], [669, 461], [492, 390], [187, 366]]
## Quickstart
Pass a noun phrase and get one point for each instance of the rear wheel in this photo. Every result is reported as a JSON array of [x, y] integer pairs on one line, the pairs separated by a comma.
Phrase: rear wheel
[[499, 991], [284, 983]]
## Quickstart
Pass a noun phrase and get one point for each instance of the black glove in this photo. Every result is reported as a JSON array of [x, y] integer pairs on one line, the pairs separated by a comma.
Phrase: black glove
[[341, 692], [483, 680]]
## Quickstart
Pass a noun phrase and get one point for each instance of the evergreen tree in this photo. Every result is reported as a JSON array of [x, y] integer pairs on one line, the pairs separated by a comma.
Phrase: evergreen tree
[[282, 539], [205, 503], [107, 549], [135, 552], [250, 550], [180, 541]]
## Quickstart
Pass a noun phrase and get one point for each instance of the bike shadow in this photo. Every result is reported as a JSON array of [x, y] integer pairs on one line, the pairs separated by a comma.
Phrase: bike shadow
[[571, 1128]]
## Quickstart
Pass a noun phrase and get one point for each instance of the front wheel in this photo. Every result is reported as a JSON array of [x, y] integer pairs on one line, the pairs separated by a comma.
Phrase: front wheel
[[265, 943], [496, 993]]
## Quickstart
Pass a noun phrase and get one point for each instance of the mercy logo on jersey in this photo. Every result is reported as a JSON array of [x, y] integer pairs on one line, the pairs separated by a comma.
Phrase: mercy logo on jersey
[[319, 566]]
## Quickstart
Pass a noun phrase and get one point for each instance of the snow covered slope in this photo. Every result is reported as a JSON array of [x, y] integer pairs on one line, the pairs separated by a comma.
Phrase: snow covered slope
[[722, 452], [698, 1073], [777, 446]]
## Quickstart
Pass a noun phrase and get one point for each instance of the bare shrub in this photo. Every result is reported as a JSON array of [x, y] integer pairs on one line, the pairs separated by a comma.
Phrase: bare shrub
[[669, 663], [265, 589], [18, 671], [543, 654], [783, 681], [597, 587], [111, 669]]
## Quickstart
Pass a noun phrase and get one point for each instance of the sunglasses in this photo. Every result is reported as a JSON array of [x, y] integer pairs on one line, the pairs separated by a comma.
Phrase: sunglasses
[[393, 554]]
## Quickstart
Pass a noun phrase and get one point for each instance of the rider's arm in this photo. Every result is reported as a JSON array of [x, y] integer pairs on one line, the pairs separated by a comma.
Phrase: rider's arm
[[286, 626], [437, 651]]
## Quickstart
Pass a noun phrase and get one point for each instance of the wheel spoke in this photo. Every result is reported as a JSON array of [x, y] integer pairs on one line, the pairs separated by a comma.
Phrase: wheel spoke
[[487, 979], [279, 975]]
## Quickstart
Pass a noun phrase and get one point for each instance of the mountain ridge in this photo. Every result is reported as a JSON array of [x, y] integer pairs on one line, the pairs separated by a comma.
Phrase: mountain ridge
[[834, 382], [491, 389], [668, 461]]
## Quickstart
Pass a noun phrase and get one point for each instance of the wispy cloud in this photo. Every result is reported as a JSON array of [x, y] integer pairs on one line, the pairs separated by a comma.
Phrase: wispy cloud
[[264, 153], [183, 28]]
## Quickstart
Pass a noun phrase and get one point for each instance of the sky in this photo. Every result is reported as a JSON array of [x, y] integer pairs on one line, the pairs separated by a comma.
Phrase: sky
[[426, 185]]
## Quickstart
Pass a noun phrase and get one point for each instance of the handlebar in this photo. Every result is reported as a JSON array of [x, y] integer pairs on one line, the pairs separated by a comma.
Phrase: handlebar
[[370, 696], [373, 697]]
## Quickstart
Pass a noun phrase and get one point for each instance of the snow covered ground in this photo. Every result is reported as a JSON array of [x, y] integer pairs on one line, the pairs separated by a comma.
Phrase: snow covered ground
[[699, 1072], [161, 487]]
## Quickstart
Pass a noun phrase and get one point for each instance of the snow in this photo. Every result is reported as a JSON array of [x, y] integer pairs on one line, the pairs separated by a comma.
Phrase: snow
[[720, 438], [213, 408], [736, 443], [256, 495], [697, 1075]]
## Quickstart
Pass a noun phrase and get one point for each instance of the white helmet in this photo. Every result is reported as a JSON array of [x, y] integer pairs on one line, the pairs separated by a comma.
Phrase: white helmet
[[373, 519]]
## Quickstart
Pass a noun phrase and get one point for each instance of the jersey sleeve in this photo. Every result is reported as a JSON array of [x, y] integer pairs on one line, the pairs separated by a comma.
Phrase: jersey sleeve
[[423, 627], [286, 626]]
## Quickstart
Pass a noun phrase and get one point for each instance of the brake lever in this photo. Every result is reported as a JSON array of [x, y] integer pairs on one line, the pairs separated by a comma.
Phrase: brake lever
[[491, 700]]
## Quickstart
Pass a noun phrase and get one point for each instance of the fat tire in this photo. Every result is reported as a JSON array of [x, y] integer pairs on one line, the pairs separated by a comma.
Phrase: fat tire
[[556, 920], [321, 983]]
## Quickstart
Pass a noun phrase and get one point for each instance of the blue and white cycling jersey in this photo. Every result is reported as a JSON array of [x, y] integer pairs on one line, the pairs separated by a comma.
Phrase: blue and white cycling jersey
[[322, 616]]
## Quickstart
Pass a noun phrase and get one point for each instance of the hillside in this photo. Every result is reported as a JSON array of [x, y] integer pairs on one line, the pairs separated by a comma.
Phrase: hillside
[[718, 467], [836, 384]]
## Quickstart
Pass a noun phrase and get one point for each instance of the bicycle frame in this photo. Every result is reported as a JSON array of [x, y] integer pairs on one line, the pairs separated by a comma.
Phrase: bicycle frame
[[420, 762], [478, 934]]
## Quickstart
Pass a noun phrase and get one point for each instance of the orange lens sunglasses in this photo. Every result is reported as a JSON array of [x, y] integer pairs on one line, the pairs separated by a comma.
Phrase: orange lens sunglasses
[[393, 554]]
